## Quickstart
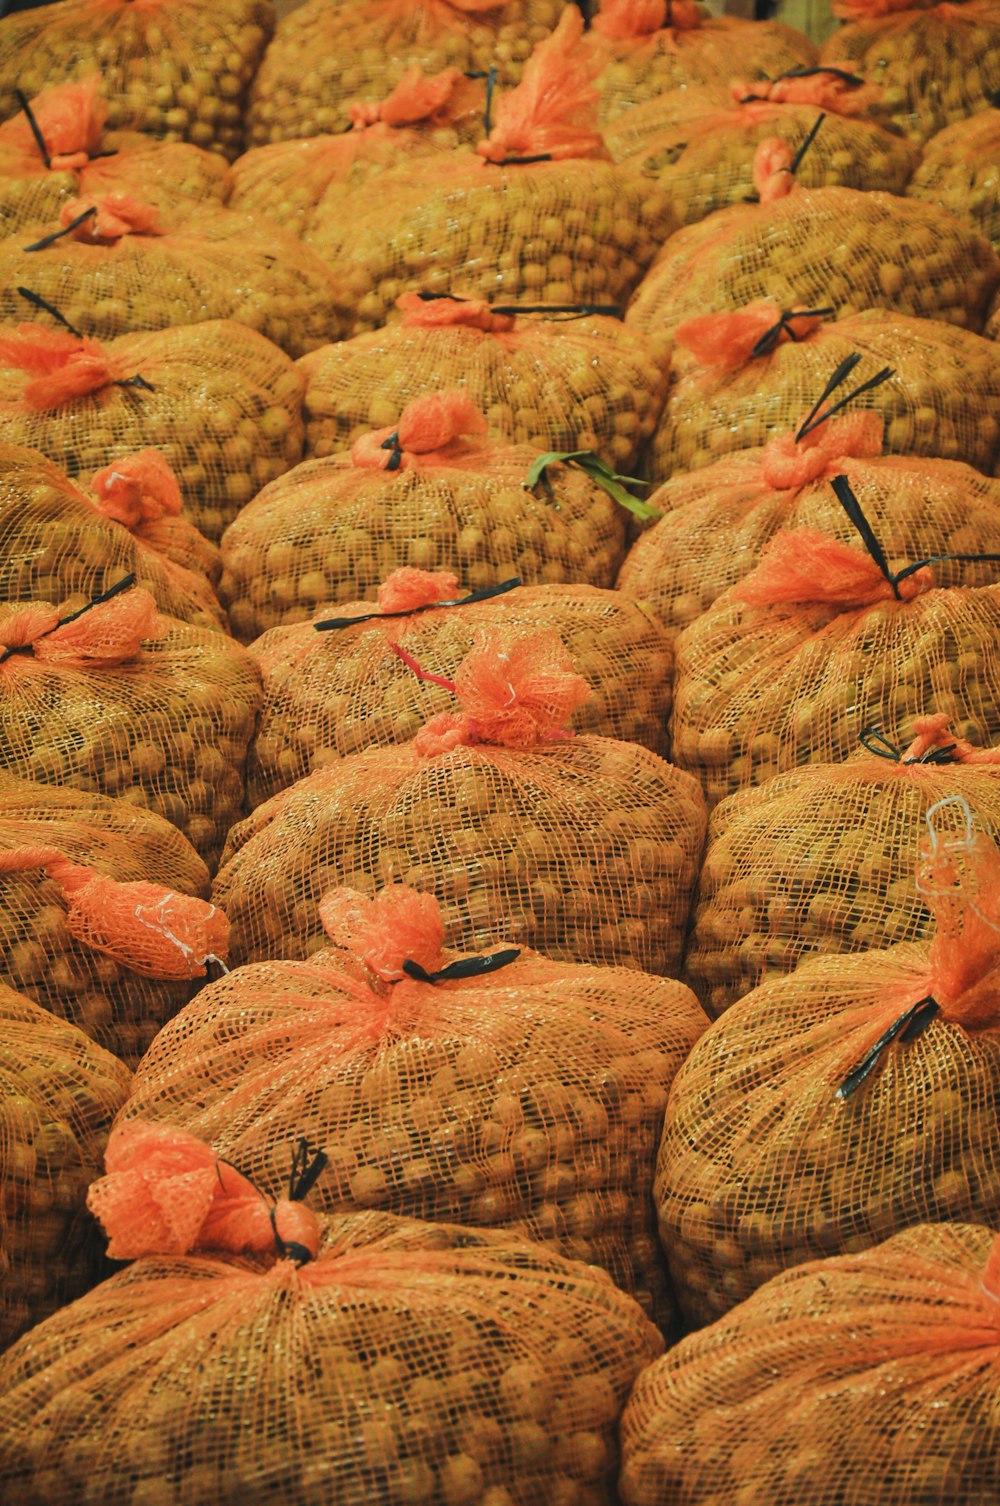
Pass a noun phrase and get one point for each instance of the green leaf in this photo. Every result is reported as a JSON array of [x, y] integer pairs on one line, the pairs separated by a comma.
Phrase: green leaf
[[601, 474]]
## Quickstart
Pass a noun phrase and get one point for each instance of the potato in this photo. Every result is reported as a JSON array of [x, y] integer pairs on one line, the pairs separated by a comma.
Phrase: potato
[[815, 1372], [960, 171], [443, 1365], [174, 70], [58, 1095], [818, 248], [224, 410], [712, 412], [323, 57], [583, 384], [757, 1097]]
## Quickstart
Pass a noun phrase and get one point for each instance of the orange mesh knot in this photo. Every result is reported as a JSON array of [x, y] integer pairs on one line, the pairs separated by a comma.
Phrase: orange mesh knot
[[788, 462], [804, 565], [104, 634], [935, 732], [167, 1193], [434, 313], [553, 111], [429, 426], [959, 879], [519, 691], [772, 170], [140, 488], [62, 366], [443, 733], [70, 118], [114, 215], [415, 98], [628, 20], [406, 588], [730, 340], [829, 89], [399, 925]]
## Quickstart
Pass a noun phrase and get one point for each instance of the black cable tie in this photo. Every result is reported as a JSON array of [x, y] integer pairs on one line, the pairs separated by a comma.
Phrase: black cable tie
[[848, 78], [523, 161], [578, 310], [797, 159], [40, 303], [872, 737], [769, 339], [815, 417], [57, 235], [466, 967], [36, 130], [307, 1167], [491, 79], [392, 443], [136, 381], [485, 593], [911, 1023], [849, 502]]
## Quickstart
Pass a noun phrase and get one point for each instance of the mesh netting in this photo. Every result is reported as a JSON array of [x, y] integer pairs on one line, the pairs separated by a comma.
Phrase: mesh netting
[[324, 56], [170, 68], [960, 170], [445, 1365], [870, 1377], [583, 384], [942, 399], [820, 247], [58, 1095], [934, 65], [992, 327], [224, 409]]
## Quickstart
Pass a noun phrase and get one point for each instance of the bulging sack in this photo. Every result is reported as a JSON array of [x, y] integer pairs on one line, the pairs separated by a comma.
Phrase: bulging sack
[[583, 848], [959, 170]]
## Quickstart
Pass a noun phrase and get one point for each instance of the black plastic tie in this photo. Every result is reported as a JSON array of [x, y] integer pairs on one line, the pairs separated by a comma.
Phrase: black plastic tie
[[57, 235], [769, 339], [38, 302], [485, 593], [466, 967], [910, 1024], [124, 584], [36, 129]]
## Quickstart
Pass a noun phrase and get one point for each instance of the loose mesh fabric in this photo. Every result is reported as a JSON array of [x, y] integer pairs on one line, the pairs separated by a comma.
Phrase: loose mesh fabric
[[959, 170], [820, 247], [820, 860], [323, 57], [169, 68], [935, 64], [328, 695], [225, 412], [57, 544], [409, 1362], [942, 399], [582, 384], [114, 1006], [717, 521], [867, 1377], [330, 531], [58, 1095]]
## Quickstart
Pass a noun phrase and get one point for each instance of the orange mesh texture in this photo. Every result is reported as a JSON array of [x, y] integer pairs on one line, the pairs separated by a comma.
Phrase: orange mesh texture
[[583, 384], [941, 400], [330, 694], [818, 1371], [443, 1364], [58, 1095], [323, 57], [169, 68], [102, 706], [777, 1148], [553, 110], [529, 1098], [934, 65], [959, 171], [224, 411], [822, 246]]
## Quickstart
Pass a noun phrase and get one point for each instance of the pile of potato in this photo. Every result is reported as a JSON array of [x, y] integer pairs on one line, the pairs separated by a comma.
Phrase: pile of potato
[[225, 410], [58, 1095], [762, 1167], [409, 1363], [818, 248], [177, 69], [803, 1386], [820, 860], [960, 170], [583, 384], [324, 56], [942, 399]]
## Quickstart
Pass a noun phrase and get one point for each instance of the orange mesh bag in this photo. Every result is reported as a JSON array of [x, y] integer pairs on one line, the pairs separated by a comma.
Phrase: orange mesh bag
[[868, 1377], [741, 377], [820, 640], [325, 58], [57, 149], [115, 265], [286, 181], [58, 1095], [959, 170], [537, 213], [578, 383], [699, 144], [51, 945], [834, 1107], [170, 68], [336, 686], [717, 521], [648, 47], [406, 1362], [504, 1090], [116, 700], [422, 495], [818, 247], [57, 542], [221, 404], [934, 63], [820, 860], [581, 847]]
